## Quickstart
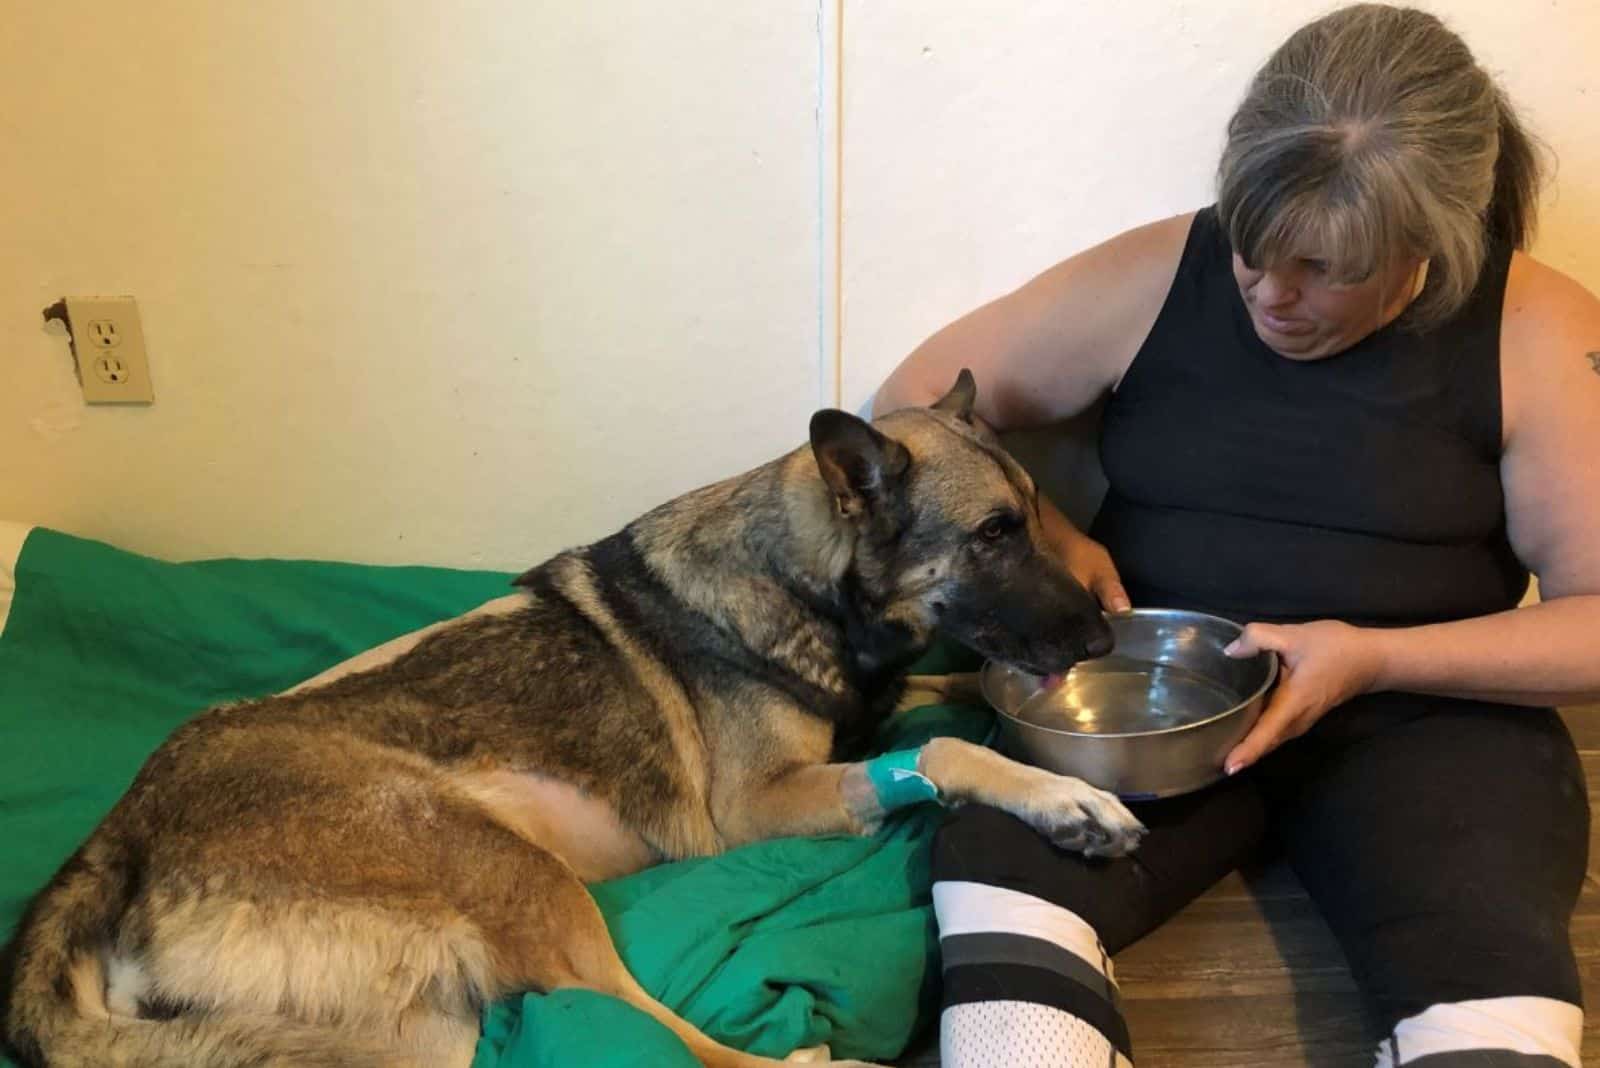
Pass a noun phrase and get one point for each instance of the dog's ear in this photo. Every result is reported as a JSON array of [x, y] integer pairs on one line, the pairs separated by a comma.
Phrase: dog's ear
[[958, 402], [860, 465]]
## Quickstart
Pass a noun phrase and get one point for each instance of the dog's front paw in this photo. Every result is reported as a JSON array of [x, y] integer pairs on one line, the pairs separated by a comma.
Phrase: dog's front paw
[[1080, 817]]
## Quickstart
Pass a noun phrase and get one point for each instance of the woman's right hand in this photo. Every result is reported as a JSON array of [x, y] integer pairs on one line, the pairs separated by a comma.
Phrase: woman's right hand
[[1087, 560], [1091, 565]]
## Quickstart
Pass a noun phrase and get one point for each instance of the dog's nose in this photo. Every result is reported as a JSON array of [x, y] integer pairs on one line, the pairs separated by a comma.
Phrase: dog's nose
[[1100, 643]]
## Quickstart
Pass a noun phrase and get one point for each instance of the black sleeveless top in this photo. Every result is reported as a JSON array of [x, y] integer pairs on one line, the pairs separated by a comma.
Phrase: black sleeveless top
[[1364, 486]]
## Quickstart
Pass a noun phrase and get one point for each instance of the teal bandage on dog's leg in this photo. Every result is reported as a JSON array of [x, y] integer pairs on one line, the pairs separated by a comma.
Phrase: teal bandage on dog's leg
[[897, 782], [874, 788]]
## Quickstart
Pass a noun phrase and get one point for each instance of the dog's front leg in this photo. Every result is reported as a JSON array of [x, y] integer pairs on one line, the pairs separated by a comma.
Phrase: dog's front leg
[[808, 800], [1068, 811], [854, 798]]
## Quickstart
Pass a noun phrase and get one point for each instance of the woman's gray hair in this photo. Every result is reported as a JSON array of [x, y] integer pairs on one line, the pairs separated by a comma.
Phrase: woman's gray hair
[[1372, 136]]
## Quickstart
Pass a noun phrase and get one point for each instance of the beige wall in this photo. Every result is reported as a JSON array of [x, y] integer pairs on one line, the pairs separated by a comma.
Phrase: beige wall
[[464, 283], [422, 281]]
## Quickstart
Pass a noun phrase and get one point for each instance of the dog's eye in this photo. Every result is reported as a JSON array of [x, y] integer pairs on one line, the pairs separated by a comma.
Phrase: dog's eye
[[997, 526]]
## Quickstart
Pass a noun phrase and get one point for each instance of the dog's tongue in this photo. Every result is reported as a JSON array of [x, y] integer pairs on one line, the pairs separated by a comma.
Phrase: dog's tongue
[[1054, 679]]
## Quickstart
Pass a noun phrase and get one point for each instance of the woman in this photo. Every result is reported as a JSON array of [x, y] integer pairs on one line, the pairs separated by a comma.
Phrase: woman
[[1345, 408]]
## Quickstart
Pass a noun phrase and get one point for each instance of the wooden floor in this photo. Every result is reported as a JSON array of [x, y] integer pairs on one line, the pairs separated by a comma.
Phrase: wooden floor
[[1248, 976]]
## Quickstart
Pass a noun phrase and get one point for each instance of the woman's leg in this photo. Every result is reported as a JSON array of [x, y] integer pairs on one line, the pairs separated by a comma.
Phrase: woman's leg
[[1026, 930], [1447, 849]]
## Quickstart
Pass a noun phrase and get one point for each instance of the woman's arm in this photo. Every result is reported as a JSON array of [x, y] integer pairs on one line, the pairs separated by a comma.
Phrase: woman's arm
[[1051, 348], [1541, 654], [1548, 653], [1048, 351]]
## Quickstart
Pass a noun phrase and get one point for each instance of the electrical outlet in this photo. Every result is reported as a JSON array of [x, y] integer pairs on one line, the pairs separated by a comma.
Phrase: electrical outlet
[[109, 345]]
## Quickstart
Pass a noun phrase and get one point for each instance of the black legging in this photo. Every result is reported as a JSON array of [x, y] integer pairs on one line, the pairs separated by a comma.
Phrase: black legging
[[1444, 841]]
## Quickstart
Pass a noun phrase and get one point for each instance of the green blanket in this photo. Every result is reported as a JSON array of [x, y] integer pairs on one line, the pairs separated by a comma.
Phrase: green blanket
[[774, 946]]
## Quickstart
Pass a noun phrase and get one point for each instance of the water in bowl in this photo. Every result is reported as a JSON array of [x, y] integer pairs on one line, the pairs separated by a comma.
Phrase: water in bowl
[[1121, 695]]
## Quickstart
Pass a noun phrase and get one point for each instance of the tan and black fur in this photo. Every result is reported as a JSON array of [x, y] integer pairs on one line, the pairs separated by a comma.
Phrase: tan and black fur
[[345, 873]]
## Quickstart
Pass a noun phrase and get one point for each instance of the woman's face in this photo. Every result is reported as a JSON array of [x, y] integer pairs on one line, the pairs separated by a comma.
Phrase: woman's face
[[1302, 314]]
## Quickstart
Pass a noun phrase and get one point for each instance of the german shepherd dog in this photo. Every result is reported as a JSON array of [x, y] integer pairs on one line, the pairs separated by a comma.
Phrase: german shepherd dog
[[344, 874]]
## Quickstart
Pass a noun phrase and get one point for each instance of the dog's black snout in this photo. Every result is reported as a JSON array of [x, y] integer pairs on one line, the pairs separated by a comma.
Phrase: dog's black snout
[[1101, 642]]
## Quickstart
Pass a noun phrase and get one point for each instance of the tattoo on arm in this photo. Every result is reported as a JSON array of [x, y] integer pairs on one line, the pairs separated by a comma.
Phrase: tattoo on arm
[[1594, 361]]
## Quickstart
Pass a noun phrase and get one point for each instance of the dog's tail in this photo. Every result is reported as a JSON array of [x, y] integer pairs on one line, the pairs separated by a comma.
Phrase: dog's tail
[[53, 1007]]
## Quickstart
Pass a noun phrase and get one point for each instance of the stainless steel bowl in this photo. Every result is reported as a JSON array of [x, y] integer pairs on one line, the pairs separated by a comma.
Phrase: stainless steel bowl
[[1153, 719]]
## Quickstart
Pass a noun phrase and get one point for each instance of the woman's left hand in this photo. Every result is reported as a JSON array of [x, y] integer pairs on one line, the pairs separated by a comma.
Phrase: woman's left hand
[[1320, 665]]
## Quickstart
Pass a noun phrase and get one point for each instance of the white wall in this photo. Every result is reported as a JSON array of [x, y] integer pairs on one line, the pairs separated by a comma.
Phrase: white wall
[[422, 282], [463, 283]]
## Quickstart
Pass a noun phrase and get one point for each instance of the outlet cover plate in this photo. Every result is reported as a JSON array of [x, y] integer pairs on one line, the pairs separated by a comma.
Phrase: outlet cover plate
[[109, 345]]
